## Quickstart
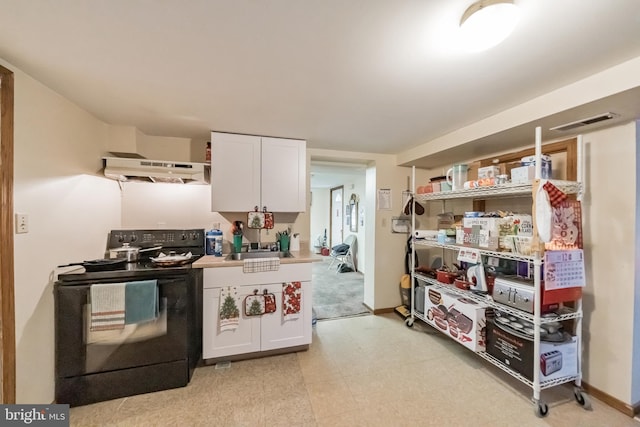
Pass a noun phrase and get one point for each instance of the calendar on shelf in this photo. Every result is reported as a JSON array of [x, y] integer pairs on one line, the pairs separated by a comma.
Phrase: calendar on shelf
[[564, 269]]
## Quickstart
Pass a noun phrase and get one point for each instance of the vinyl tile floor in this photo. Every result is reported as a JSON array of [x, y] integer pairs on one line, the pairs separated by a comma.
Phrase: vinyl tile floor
[[359, 371]]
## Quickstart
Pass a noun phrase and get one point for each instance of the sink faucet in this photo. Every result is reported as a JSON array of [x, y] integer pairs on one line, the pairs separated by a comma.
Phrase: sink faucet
[[259, 242]]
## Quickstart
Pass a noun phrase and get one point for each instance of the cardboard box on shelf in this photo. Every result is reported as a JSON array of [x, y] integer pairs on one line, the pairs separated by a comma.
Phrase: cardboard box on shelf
[[488, 172], [557, 360], [497, 229], [472, 171], [476, 237], [461, 319], [523, 174]]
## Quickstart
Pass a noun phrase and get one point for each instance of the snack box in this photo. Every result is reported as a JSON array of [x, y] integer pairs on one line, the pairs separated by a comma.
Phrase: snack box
[[488, 172], [461, 319], [523, 174], [498, 229], [557, 359], [475, 237]]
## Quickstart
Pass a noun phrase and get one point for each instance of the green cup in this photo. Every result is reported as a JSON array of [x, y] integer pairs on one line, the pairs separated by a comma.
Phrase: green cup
[[237, 243], [284, 243]]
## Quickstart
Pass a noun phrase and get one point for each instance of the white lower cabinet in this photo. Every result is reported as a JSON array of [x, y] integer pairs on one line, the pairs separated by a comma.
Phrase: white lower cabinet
[[215, 343], [269, 331]]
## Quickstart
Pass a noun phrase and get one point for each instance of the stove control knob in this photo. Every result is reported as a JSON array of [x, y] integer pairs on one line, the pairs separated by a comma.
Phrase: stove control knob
[[184, 237], [120, 238], [134, 237]]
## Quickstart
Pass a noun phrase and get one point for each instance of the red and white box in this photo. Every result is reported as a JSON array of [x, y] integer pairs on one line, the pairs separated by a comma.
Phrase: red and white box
[[462, 319]]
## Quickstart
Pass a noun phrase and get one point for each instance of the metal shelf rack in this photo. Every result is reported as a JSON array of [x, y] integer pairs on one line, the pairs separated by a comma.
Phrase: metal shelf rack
[[541, 409]]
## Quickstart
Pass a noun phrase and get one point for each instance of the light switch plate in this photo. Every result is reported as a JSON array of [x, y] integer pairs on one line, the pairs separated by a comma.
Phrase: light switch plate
[[22, 223]]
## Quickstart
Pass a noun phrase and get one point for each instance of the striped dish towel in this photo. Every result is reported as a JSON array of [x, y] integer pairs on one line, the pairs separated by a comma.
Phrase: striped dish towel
[[257, 265], [107, 306]]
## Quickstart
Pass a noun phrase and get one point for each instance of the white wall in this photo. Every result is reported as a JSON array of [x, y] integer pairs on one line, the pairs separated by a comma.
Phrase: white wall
[[319, 215], [609, 220], [388, 248], [157, 205], [57, 150]]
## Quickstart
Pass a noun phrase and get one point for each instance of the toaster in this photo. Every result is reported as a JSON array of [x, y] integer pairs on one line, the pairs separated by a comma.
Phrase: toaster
[[550, 362], [514, 292]]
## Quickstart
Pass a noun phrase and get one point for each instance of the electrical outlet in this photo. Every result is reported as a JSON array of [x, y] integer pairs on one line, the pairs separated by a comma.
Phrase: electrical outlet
[[22, 223]]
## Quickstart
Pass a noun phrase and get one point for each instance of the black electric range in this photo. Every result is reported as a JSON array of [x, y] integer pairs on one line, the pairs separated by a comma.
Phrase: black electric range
[[93, 365], [178, 241]]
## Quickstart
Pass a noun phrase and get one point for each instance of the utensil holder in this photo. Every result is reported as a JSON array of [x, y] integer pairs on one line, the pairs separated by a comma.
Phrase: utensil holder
[[284, 243]]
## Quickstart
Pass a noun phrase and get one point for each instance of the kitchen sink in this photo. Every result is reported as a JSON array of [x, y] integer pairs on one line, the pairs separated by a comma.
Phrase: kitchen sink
[[250, 255]]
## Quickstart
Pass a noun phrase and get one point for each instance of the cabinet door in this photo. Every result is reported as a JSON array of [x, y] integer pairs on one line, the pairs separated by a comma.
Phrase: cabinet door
[[235, 172], [284, 174], [216, 343], [276, 332]]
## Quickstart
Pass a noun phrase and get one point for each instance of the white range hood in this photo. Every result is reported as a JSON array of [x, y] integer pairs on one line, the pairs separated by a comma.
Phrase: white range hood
[[133, 167]]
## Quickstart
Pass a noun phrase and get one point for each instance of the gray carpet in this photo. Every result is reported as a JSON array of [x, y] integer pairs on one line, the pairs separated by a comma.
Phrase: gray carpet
[[337, 294]]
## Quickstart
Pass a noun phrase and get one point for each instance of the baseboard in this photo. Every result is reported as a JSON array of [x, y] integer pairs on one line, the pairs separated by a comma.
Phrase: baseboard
[[255, 355], [379, 310], [629, 410]]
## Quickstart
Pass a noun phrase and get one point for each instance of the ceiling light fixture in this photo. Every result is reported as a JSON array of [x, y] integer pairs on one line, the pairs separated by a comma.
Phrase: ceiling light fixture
[[488, 22]]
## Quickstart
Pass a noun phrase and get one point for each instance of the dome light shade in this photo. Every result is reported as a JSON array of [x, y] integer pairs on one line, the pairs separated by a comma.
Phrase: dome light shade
[[486, 23]]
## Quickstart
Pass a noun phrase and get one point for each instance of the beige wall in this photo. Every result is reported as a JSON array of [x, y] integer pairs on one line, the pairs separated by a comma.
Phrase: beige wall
[[57, 156], [609, 220], [319, 215]]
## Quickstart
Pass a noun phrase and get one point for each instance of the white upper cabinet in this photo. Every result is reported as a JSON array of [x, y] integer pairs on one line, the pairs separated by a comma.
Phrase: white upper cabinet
[[284, 177], [249, 171]]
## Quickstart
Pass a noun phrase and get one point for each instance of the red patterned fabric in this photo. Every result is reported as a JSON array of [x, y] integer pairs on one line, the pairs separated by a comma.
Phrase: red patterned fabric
[[566, 228], [291, 300], [556, 196]]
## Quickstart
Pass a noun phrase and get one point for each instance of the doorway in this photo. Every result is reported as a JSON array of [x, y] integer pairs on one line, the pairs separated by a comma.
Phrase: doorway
[[336, 223], [337, 293]]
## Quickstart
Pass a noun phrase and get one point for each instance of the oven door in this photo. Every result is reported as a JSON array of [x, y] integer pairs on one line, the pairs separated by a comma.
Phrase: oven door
[[80, 351]]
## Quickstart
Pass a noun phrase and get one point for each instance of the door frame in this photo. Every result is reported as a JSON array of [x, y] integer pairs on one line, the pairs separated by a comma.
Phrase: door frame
[[7, 303], [340, 187]]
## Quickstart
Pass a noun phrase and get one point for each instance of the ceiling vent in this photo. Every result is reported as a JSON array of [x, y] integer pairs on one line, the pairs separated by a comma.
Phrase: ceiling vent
[[585, 122]]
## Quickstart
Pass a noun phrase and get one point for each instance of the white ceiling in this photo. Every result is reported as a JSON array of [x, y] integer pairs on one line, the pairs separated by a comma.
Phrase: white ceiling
[[331, 174], [376, 76]]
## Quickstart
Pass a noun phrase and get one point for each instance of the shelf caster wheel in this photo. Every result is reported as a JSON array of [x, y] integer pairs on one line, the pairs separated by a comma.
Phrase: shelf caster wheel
[[409, 323], [541, 410], [582, 398]]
